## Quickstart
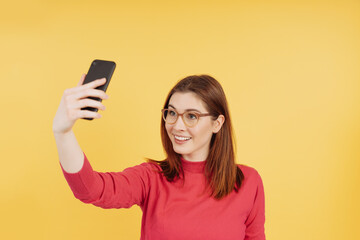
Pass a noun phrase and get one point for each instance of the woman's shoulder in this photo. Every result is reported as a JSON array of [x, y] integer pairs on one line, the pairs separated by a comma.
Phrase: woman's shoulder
[[151, 166], [145, 169], [248, 169], [145, 166], [249, 172]]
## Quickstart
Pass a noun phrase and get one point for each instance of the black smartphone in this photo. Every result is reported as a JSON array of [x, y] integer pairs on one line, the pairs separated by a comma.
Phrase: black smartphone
[[99, 69]]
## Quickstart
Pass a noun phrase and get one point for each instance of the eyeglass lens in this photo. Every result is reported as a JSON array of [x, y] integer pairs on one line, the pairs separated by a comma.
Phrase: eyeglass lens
[[190, 118]]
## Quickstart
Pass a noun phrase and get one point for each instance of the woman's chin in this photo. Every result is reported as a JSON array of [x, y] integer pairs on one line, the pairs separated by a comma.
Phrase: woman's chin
[[180, 151]]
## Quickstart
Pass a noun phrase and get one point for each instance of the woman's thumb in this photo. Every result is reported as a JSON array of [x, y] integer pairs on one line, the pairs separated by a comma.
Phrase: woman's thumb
[[82, 79]]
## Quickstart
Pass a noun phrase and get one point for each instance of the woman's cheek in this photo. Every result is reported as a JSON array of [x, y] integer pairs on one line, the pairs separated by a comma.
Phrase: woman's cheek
[[168, 130]]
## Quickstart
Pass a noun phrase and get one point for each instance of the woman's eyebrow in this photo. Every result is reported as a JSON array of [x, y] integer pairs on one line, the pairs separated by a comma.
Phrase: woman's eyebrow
[[189, 109], [172, 106]]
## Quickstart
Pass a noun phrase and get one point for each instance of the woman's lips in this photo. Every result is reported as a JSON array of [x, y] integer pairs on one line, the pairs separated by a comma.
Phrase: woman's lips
[[181, 139]]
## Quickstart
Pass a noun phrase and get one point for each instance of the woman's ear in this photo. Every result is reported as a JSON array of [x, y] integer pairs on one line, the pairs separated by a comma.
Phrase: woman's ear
[[218, 123]]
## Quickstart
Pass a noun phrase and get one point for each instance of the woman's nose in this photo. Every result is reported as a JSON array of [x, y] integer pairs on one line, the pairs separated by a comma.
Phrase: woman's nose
[[179, 124]]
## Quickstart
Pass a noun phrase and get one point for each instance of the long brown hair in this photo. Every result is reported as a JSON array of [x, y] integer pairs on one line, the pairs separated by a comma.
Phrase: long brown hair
[[222, 174]]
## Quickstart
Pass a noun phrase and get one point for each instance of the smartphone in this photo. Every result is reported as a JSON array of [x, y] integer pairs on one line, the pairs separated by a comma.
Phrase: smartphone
[[99, 69]]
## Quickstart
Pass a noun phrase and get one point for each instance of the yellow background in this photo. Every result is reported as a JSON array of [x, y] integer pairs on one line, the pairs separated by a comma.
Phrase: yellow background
[[290, 70]]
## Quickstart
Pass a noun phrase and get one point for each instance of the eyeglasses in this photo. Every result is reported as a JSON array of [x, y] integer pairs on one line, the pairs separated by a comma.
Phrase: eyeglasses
[[190, 118]]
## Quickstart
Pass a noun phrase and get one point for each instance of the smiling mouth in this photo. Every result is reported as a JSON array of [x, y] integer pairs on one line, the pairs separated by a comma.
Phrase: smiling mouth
[[179, 138]]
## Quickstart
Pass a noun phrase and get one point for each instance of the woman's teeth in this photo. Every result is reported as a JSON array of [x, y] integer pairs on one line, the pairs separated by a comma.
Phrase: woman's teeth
[[181, 138]]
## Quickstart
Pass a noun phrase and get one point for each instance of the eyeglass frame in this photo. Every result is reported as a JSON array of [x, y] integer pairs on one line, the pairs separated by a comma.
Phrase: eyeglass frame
[[182, 116]]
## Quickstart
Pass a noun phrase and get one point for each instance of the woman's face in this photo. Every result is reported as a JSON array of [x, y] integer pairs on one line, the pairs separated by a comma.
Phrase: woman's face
[[193, 143]]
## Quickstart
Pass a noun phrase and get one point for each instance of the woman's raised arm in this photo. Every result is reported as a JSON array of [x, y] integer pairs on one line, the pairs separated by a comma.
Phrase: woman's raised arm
[[73, 100]]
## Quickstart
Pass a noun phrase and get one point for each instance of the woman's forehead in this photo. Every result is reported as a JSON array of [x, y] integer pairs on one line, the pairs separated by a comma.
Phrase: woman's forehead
[[183, 101]]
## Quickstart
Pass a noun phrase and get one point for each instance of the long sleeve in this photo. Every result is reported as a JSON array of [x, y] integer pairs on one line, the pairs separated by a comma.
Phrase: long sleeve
[[166, 205], [110, 189], [256, 219]]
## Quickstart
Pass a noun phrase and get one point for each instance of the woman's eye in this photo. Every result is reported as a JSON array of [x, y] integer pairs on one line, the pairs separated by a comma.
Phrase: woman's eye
[[191, 116], [172, 113]]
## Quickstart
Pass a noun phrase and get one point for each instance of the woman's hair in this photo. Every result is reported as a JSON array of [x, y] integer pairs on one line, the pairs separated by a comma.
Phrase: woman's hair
[[222, 174]]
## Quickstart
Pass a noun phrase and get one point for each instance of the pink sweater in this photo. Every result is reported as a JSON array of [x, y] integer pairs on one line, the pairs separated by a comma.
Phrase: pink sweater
[[178, 210]]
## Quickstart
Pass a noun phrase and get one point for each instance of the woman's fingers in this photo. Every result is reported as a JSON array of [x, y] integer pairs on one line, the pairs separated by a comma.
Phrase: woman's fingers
[[89, 103], [88, 114], [76, 98], [90, 93], [91, 85], [96, 83], [75, 114], [82, 79]]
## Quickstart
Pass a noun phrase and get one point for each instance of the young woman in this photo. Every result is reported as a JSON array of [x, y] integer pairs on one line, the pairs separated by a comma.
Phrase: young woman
[[197, 192]]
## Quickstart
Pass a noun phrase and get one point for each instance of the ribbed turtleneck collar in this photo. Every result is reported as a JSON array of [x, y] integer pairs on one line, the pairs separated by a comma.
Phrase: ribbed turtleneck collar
[[195, 167]]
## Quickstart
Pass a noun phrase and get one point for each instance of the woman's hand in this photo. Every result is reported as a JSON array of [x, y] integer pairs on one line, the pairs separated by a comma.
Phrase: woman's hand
[[73, 100]]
